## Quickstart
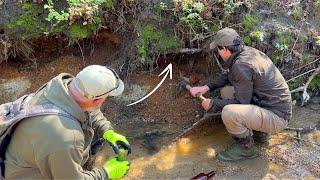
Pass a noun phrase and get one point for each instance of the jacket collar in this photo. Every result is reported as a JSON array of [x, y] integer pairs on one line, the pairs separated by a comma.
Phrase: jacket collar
[[228, 64], [56, 91]]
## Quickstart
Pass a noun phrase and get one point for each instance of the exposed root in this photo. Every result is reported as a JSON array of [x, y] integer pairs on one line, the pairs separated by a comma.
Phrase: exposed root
[[10, 48]]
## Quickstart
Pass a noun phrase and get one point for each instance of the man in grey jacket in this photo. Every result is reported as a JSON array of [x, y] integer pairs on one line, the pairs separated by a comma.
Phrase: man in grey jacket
[[261, 100], [57, 147]]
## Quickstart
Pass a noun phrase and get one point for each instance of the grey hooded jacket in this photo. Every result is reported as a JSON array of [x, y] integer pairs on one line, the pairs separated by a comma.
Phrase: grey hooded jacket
[[52, 146]]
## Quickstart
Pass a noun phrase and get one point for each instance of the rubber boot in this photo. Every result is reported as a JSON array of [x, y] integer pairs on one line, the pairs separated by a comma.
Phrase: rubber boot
[[260, 137], [242, 149]]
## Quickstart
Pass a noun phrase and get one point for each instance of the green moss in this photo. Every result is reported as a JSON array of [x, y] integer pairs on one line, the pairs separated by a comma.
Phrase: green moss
[[79, 31], [249, 22]]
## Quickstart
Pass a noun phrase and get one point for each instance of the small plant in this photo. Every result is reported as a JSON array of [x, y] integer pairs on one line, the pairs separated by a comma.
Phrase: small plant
[[315, 83], [293, 85], [257, 35], [275, 56], [306, 57], [190, 16], [146, 35], [296, 13], [167, 44], [249, 22], [28, 25], [229, 6], [283, 39], [55, 16], [317, 40]]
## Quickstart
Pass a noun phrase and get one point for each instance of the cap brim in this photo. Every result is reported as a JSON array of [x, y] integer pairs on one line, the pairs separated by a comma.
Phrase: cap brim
[[119, 90], [213, 45]]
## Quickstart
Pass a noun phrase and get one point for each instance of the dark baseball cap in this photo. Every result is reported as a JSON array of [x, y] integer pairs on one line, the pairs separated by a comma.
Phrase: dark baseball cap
[[226, 37]]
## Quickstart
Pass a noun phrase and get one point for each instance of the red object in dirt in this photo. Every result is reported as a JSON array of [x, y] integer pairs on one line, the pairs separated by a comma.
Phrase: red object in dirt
[[204, 176]]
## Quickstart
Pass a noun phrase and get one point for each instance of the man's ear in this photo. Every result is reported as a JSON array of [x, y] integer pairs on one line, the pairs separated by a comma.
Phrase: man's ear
[[97, 102]]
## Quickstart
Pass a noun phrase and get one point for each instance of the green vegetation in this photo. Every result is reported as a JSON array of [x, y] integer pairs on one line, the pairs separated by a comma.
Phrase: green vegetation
[[276, 56], [228, 6], [317, 40], [306, 57], [190, 16], [149, 38], [249, 22], [283, 39], [79, 31], [297, 13], [78, 19], [28, 24], [258, 35], [315, 83], [293, 85]]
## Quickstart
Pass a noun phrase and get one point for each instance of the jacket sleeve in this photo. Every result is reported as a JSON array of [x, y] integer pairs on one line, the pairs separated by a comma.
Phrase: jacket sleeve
[[99, 122], [243, 86], [219, 82], [65, 164]]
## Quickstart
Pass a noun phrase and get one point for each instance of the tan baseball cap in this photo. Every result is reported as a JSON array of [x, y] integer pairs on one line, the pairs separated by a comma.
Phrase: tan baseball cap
[[226, 37], [97, 81]]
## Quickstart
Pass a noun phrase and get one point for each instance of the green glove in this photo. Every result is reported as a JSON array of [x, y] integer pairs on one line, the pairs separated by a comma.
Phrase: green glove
[[117, 141], [116, 169]]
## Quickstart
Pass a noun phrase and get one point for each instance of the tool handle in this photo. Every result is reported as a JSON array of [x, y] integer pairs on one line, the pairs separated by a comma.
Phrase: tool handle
[[200, 96]]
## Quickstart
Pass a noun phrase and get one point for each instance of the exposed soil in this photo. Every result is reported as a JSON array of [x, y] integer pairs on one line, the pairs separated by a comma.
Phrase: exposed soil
[[152, 125]]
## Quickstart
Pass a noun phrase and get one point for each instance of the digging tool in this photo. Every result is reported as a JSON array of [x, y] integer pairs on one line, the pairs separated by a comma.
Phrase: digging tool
[[185, 83], [196, 124]]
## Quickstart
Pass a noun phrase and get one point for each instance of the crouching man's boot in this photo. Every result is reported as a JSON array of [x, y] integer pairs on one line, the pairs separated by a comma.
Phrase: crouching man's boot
[[240, 150], [260, 137]]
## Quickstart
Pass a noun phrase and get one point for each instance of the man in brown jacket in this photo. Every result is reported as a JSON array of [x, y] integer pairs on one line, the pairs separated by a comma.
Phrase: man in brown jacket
[[57, 147], [261, 101]]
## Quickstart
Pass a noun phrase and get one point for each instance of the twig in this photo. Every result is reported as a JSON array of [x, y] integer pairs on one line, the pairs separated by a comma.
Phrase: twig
[[301, 75], [194, 125], [302, 66], [81, 52], [304, 88]]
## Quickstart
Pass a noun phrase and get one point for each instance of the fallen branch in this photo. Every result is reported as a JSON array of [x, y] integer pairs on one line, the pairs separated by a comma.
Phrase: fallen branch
[[316, 71]]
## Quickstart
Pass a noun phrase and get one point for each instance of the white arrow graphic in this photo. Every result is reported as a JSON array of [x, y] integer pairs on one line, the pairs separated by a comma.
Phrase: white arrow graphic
[[168, 69]]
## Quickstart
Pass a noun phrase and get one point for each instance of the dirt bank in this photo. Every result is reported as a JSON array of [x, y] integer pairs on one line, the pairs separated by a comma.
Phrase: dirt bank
[[152, 125]]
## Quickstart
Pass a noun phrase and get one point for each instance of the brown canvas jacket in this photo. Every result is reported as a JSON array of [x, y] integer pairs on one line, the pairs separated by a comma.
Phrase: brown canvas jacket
[[52, 146], [253, 75]]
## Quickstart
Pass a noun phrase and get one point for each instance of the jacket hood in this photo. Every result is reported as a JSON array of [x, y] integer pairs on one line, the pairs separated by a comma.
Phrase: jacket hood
[[56, 91]]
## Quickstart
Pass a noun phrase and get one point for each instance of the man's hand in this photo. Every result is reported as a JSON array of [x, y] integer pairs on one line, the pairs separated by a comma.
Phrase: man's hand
[[116, 169], [116, 141], [206, 104], [200, 90]]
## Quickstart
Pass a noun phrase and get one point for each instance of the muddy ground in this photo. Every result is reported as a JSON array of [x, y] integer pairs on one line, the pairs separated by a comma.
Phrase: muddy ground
[[152, 125]]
